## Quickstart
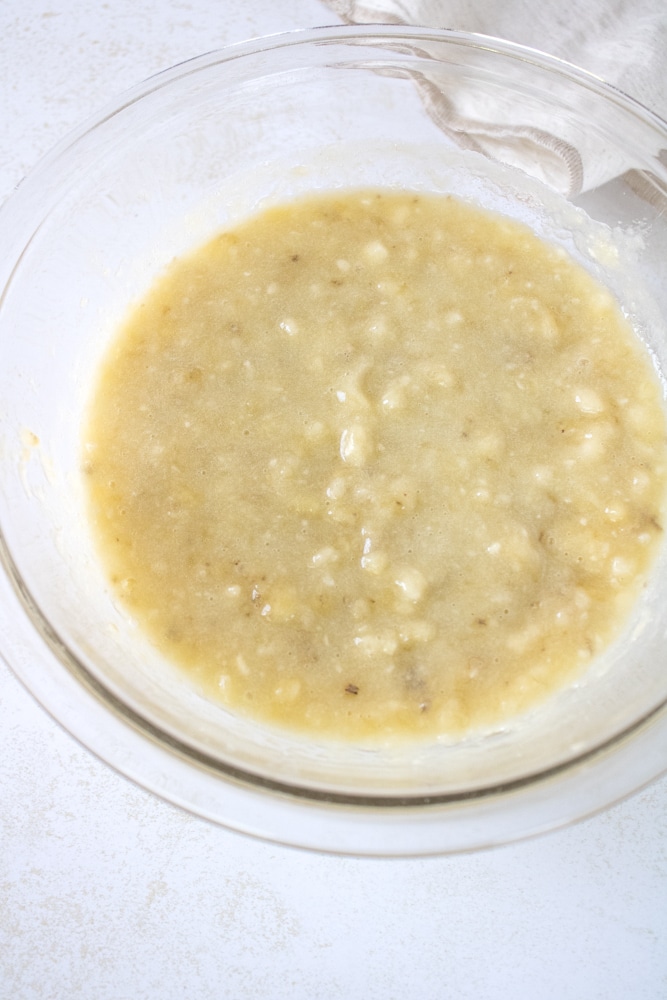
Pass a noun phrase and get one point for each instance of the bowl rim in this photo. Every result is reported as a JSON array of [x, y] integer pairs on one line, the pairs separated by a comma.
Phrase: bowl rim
[[330, 34]]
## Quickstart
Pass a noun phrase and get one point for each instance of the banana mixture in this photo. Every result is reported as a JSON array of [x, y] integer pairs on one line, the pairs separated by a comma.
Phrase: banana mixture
[[377, 465]]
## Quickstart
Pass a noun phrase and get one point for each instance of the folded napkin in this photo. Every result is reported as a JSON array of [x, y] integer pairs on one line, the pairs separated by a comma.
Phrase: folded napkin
[[622, 41]]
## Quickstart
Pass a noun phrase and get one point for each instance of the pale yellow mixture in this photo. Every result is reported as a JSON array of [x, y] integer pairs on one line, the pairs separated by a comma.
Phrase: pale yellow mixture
[[378, 464]]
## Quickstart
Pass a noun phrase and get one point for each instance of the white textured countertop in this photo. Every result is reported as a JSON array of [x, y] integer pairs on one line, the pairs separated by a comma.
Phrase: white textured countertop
[[107, 893]]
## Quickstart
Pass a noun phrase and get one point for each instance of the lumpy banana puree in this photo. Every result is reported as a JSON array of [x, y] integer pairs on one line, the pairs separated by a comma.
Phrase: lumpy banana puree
[[378, 464]]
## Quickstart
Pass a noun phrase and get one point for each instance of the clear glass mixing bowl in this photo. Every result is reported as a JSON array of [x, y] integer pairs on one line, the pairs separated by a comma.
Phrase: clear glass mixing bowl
[[173, 161]]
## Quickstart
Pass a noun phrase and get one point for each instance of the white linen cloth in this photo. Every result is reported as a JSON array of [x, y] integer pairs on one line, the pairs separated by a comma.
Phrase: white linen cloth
[[624, 42]]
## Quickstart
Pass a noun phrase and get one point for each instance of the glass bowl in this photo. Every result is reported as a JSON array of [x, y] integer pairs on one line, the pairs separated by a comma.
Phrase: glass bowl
[[172, 162]]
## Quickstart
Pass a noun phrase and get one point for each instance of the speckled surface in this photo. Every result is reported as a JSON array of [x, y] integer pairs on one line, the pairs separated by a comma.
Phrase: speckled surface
[[107, 893]]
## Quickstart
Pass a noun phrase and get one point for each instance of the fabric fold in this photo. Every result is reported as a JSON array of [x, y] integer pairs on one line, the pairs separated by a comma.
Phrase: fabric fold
[[622, 43]]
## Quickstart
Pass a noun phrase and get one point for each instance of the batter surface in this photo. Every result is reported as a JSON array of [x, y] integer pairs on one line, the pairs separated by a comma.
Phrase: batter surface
[[378, 464]]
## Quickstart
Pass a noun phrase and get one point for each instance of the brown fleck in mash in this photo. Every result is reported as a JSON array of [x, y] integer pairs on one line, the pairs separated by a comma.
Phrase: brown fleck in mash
[[377, 464]]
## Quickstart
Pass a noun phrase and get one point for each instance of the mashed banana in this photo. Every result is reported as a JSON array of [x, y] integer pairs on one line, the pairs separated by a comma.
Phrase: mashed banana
[[378, 464]]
